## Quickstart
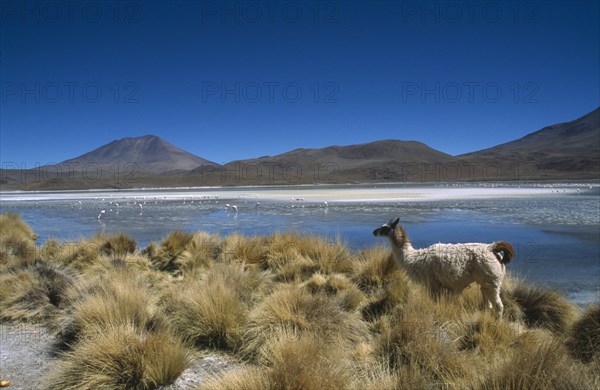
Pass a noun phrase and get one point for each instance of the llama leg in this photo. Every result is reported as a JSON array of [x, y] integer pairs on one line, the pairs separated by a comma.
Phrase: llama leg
[[486, 293], [498, 303]]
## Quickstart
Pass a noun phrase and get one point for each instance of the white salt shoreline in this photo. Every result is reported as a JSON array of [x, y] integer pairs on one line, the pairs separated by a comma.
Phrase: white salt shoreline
[[383, 193]]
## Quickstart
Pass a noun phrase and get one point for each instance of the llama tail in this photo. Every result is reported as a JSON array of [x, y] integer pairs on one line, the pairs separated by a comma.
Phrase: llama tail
[[507, 250]]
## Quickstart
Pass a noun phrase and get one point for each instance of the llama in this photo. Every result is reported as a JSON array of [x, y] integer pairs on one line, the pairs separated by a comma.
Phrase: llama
[[452, 267]]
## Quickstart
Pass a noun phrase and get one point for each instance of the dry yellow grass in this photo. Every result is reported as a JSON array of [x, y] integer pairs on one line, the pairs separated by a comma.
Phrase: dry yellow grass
[[306, 360], [212, 311], [118, 245], [418, 343], [252, 251], [373, 268], [305, 312], [295, 310], [540, 364], [246, 378], [14, 223], [77, 255], [121, 357], [172, 246], [33, 293], [206, 314], [540, 307], [118, 297], [584, 336], [199, 253], [337, 286], [17, 241]]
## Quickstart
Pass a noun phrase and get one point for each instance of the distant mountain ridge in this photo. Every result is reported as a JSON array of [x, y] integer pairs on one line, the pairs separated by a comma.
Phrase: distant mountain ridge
[[579, 135], [564, 151], [352, 156], [569, 147], [343, 164], [384, 150], [149, 153]]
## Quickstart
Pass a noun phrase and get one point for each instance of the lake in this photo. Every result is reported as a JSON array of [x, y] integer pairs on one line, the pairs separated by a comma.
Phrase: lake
[[554, 227]]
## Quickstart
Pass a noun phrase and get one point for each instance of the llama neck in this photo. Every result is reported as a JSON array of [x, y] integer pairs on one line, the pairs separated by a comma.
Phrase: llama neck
[[401, 246]]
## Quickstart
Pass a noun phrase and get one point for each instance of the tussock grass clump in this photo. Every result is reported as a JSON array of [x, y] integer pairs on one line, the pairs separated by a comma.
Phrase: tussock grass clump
[[306, 361], [292, 361], [16, 249], [486, 335], [374, 268], [290, 256], [382, 377], [339, 286], [135, 264], [151, 251], [584, 335], [331, 256], [119, 297], [129, 261], [252, 251], [200, 253], [294, 257], [246, 378], [296, 310], [208, 315], [118, 244], [122, 357], [251, 285], [285, 259], [81, 254], [387, 286], [212, 312], [33, 293], [10, 222], [169, 251], [392, 297], [542, 307], [289, 265], [17, 241], [51, 251], [540, 365], [421, 347]]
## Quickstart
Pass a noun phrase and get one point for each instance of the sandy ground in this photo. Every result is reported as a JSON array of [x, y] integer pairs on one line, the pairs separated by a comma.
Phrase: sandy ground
[[204, 364], [25, 356], [26, 360]]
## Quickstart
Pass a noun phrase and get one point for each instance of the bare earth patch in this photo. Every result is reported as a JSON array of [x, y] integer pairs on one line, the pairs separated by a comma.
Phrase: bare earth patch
[[25, 355], [204, 364], [26, 359]]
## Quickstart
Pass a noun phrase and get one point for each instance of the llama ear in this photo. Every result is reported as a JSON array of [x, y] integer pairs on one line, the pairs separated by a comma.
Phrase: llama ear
[[393, 224]]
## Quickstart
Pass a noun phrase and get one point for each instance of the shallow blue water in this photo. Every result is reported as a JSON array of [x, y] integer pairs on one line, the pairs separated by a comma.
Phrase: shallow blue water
[[557, 238]]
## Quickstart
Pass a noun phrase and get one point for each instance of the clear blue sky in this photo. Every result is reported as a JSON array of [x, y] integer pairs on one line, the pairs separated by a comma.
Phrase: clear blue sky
[[233, 80]]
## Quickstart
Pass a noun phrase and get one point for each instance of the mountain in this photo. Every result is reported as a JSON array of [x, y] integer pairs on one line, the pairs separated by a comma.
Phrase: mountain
[[149, 154], [569, 150], [564, 151], [385, 160]]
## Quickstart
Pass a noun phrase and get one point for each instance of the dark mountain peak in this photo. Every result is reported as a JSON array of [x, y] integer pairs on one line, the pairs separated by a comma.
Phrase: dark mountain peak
[[366, 154], [565, 150], [149, 153], [144, 139], [148, 137], [587, 123], [581, 135]]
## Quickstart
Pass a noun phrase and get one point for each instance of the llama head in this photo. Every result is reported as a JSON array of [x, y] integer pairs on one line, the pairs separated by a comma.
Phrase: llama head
[[387, 229]]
